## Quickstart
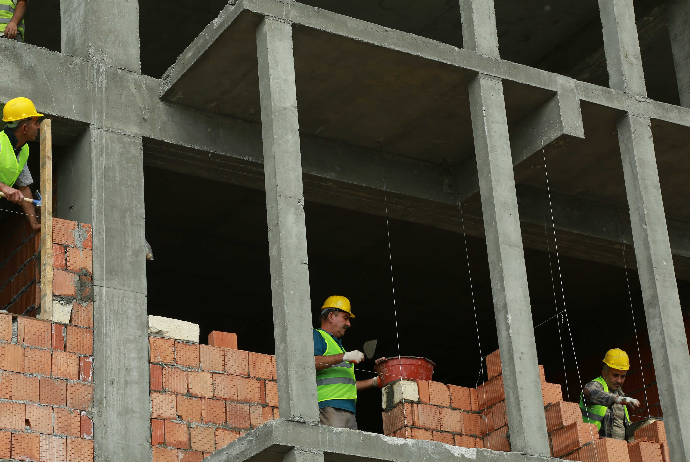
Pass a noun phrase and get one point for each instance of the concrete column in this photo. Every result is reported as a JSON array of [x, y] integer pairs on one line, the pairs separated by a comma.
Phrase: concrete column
[[479, 31], [658, 280], [287, 235], [106, 31], [507, 265], [622, 47], [679, 29]]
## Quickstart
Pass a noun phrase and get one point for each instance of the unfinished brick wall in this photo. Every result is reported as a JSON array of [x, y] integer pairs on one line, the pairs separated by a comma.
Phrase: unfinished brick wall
[[205, 396], [19, 266], [72, 262], [477, 418]]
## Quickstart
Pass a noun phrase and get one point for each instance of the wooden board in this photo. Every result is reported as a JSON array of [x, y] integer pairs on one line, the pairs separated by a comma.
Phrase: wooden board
[[46, 221]]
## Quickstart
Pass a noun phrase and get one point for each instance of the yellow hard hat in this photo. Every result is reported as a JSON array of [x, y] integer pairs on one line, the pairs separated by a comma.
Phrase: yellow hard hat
[[617, 359], [338, 302], [19, 109]]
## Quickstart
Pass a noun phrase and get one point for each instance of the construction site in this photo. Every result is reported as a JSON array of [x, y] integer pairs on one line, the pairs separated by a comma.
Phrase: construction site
[[499, 187]]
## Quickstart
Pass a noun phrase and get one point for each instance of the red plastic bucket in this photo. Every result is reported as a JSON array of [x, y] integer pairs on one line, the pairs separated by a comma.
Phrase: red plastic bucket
[[404, 367]]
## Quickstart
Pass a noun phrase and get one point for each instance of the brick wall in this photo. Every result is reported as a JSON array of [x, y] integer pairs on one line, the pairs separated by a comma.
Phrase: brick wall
[[205, 396], [19, 267]]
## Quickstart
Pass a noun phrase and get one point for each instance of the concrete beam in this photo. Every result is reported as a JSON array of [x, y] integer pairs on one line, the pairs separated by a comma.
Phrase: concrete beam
[[287, 235], [679, 30], [622, 46], [658, 280], [507, 267], [479, 32]]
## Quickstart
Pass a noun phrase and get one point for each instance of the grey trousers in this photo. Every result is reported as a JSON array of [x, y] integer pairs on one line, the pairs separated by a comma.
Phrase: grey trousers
[[338, 418]]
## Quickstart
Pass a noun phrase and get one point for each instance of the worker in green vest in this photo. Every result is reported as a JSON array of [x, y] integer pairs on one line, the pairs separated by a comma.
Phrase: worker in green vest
[[603, 402], [21, 119], [335, 368], [12, 19]]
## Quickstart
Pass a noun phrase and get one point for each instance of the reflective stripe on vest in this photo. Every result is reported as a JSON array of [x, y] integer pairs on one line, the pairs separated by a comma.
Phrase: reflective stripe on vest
[[10, 168], [338, 381], [6, 13], [594, 414]]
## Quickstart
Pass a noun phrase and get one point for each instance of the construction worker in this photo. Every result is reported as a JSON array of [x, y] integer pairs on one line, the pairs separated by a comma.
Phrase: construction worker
[[335, 368], [12, 19], [603, 402], [22, 125]]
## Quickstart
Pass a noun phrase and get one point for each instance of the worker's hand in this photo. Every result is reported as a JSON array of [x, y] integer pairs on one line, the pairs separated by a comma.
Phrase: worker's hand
[[13, 195], [377, 382], [11, 31], [628, 401], [353, 357]]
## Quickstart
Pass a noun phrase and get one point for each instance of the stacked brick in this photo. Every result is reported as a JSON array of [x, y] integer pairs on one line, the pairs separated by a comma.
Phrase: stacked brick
[[72, 262], [205, 396], [19, 268]]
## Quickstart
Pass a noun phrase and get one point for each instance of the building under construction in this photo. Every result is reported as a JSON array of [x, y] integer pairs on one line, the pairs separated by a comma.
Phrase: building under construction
[[474, 175]]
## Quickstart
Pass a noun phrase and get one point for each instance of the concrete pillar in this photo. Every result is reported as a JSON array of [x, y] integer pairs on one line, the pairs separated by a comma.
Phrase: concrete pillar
[[622, 47], [287, 237], [658, 281], [106, 31], [479, 31], [507, 265], [679, 29]]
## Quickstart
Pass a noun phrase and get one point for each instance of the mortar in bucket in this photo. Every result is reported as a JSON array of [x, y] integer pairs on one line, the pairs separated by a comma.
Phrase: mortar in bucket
[[404, 367]]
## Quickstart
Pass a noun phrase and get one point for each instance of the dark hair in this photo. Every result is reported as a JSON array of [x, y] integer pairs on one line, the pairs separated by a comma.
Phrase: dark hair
[[20, 123], [324, 314]]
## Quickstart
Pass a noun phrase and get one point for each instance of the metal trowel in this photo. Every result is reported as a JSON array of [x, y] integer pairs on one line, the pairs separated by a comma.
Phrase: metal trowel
[[370, 348]]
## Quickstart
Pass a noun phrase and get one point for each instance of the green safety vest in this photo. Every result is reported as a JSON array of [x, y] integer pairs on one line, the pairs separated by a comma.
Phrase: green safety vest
[[10, 168], [335, 382], [595, 413], [6, 13]]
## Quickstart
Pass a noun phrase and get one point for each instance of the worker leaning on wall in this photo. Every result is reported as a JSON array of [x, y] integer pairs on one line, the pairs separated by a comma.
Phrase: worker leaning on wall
[[22, 126], [12, 19]]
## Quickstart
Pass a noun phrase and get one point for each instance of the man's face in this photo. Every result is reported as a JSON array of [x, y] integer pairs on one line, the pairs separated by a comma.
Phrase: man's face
[[31, 129], [340, 322], [614, 378]]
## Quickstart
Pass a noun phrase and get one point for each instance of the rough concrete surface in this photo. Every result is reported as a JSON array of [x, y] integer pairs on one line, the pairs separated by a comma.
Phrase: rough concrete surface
[[173, 328]]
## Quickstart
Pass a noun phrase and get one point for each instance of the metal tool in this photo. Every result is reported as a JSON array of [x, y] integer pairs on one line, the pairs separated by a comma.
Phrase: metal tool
[[37, 202], [370, 348]]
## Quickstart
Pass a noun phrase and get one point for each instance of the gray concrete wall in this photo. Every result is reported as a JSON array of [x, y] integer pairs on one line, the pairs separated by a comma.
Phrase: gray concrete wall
[[679, 30]]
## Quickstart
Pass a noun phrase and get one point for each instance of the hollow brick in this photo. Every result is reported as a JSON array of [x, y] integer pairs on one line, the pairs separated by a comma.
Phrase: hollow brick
[[52, 391], [57, 332], [238, 415], [203, 438], [39, 418], [25, 388], [80, 396], [200, 384], [52, 448], [644, 451], [67, 422], [222, 339], [271, 390], [163, 406], [493, 364], [33, 332], [561, 414], [262, 366], [80, 340], [86, 426], [165, 455], [654, 432], [162, 350], [460, 398], [157, 432], [12, 358], [86, 369], [12, 416], [187, 354], [237, 362], [5, 445], [82, 315], [225, 437], [175, 380], [79, 450], [211, 358], [189, 409], [26, 446], [177, 435], [213, 411], [571, 437]]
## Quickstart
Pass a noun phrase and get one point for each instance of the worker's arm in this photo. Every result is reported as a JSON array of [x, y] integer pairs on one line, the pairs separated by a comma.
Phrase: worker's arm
[[19, 10], [11, 194], [29, 208], [594, 394], [324, 362], [368, 383]]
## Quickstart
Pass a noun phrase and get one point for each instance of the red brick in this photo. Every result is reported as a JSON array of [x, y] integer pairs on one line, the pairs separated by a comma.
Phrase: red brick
[[80, 396], [469, 441], [654, 432], [415, 434], [551, 393], [64, 283], [63, 231], [496, 417], [256, 415], [493, 364], [423, 387], [213, 411], [439, 394], [67, 422], [238, 415], [82, 315], [472, 425], [53, 449], [163, 406], [271, 390], [26, 446], [86, 369], [643, 451], [460, 398], [211, 358], [156, 372], [400, 416], [498, 440], [79, 450], [267, 413], [175, 380], [162, 350], [187, 354], [12, 358], [79, 260], [25, 388], [427, 416], [225, 437], [189, 409], [262, 391], [561, 414], [12, 416], [237, 362], [80, 340], [176, 435], [86, 426], [6, 384], [203, 438], [665, 456], [88, 242], [165, 455], [490, 393], [192, 456], [225, 386], [604, 450], [542, 374], [5, 328], [59, 257], [474, 402], [201, 384], [262, 366], [157, 432], [222, 339], [65, 365], [276, 413], [452, 420], [572, 437], [52, 391], [248, 390], [5, 445], [58, 337], [443, 437]]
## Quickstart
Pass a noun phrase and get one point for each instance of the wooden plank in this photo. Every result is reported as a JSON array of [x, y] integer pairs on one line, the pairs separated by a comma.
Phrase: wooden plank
[[46, 221]]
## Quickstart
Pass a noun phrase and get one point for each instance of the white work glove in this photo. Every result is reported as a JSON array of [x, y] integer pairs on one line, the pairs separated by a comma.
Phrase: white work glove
[[353, 357], [627, 400]]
